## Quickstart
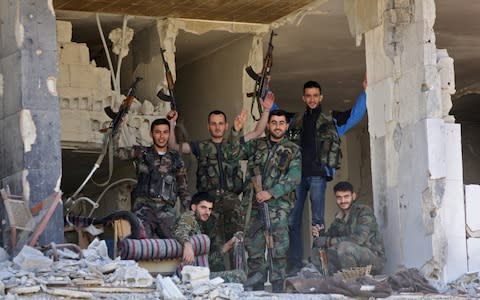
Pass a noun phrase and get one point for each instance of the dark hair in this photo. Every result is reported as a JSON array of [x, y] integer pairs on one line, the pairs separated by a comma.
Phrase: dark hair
[[343, 186], [217, 112], [312, 84], [202, 196], [278, 112], [157, 122]]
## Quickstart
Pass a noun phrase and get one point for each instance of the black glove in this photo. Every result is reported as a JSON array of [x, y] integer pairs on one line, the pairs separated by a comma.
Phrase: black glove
[[320, 242]]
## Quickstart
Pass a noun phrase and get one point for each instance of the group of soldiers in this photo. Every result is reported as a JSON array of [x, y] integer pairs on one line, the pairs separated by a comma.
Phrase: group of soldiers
[[297, 155]]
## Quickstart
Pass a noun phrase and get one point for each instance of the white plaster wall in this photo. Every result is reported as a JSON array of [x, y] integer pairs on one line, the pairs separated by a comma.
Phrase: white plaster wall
[[416, 158], [210, 83]]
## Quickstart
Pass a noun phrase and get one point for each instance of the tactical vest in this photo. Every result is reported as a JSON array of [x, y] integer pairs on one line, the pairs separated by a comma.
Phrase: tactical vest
[[274, 163], [156, 176], [214, 172], [327, 141]]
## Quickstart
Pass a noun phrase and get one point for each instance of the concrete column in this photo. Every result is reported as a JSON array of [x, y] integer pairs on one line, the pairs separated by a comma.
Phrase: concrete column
[[29, 112], [416, 156]]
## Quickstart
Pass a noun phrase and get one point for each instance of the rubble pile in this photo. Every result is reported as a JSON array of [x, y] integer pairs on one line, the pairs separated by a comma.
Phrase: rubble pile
[[32, 272]]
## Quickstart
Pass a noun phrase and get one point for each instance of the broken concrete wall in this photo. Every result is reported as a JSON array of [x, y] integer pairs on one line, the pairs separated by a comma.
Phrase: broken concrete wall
[[29, 111], [415, 154]]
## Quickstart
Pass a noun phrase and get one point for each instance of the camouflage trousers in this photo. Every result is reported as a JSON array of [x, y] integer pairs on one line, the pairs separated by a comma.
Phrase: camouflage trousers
[[345, 255], [256, 245], [226, 220], [158, 218]]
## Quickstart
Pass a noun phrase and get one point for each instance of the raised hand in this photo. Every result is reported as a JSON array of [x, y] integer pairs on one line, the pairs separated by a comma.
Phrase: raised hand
[[239, 120], [268, 101]]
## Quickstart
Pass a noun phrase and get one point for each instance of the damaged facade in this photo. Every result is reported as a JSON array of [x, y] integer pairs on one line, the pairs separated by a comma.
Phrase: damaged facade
[[53, 90]]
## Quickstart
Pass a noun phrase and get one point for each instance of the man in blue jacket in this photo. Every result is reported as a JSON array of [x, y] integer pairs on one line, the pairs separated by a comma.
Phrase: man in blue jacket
[[319, 136]]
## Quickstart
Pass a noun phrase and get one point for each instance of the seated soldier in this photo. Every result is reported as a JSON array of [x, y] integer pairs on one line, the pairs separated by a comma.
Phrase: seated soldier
[[353, 239], [195, 222]]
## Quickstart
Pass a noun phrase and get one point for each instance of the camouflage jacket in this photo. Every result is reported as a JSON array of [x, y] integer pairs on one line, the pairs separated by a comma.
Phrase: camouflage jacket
[[327, 140], [188, 224], [159, 177], [359, 227], [215, 171], [280, 167]]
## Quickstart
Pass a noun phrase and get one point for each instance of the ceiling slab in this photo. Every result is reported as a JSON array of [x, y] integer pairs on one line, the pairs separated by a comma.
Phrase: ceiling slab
[[248, 11]]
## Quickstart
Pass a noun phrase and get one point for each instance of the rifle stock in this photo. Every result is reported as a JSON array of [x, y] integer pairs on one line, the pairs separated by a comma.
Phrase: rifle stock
[[261, 81], [170, 85]]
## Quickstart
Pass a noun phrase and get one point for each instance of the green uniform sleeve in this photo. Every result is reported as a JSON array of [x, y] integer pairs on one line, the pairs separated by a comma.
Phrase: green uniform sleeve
[[236, 151], [126, 153], [289, 181], [186, 226]]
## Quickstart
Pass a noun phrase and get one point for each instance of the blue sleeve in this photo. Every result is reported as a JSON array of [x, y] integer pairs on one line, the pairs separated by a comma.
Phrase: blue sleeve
[[358, 112], [274, 106]]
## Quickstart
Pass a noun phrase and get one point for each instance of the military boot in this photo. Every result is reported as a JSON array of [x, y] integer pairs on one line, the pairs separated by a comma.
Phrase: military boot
[[255, 282]]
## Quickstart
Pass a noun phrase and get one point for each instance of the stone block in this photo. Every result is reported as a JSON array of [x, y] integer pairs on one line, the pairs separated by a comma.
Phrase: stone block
[[76, 126], [196, 276], [446, 71], [31, 259], [453, 154], [472, 206], [473, 248], [103, 81], [72, 92], [63, 79], [82, 76], [452, 213], [436, 154], [64, 32], [74, 54]]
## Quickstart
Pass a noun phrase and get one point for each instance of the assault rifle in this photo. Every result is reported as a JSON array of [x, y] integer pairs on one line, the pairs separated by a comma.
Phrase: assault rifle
[[261, 81], [239, 251], [168, 74], [123, 110], [267, 228]]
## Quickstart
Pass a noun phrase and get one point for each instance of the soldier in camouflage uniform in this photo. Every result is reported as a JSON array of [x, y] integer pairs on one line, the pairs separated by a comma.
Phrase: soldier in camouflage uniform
[[279, 161], [353, 239], [215, 174], [194, 222], [161, 176]]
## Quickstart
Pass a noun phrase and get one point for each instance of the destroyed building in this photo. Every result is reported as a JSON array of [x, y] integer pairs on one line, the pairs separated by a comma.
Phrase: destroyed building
[[414, 160]]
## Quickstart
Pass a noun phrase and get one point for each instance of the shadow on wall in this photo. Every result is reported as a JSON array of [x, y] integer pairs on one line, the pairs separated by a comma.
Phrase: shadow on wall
[[467, 112]]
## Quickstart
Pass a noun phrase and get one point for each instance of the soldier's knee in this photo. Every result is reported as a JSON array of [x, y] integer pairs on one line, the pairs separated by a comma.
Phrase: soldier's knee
[[345, 248]]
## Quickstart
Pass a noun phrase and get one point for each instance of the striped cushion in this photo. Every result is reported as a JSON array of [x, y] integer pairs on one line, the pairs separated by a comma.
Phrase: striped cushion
[[149, 249]]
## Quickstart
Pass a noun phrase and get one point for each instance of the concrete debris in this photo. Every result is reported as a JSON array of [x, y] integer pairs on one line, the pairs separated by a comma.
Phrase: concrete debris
[[31, 259], [132, 276], [36, 275], [69, 293], [468, 284], [168, 289], [3, 255], [195, 276]]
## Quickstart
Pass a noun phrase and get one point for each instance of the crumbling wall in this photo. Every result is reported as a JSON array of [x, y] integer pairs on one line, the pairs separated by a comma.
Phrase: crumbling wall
[[415, 152], [29, 115]]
